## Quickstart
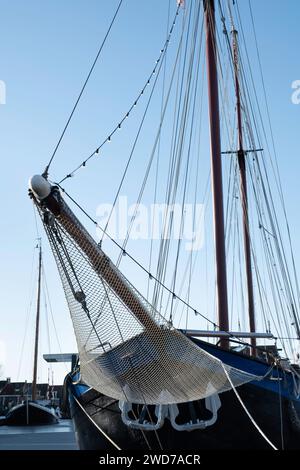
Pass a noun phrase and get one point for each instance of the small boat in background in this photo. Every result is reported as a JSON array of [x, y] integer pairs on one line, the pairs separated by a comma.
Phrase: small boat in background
[[30, 412]]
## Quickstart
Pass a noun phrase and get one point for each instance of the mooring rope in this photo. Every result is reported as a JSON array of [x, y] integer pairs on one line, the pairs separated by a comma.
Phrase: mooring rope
[[247, 412], [95, 424], [82, 89]]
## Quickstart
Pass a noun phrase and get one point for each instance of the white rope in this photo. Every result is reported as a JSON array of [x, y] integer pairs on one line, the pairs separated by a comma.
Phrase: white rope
[[247, 412], [95, 424]]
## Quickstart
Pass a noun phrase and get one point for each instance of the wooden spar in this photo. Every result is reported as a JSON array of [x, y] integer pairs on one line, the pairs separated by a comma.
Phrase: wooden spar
[[216, 167], [243, 191], [225, 334], [37, 326], [99, 260]]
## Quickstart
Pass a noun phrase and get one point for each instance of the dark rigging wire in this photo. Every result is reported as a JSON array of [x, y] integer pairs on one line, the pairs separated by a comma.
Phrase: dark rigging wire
[[46, 171], [132, 258], [196, 312], [154, 72]]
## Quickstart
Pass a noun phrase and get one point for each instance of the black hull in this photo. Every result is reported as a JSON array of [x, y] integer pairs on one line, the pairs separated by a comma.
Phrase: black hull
[[31, 414], [98, 425], [272, 402]]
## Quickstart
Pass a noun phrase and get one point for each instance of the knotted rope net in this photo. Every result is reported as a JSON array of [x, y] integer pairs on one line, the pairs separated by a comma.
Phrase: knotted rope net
[[127, 349]]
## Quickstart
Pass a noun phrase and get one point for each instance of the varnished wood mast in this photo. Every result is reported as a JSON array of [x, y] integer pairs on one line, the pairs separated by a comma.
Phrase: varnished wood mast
[[216, 167], [243, 189]]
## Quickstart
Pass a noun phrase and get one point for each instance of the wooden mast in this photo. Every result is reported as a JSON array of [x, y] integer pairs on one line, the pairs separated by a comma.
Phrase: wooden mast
[[216, 167], [243, 191], [37, 325]]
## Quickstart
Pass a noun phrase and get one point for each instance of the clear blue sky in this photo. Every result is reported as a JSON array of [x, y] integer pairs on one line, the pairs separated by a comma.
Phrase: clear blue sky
[[46, 49]]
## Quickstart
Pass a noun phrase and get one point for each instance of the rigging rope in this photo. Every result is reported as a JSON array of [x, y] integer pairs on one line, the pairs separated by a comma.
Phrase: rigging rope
[[257, 179], [158, 160], [95, 424], [162, 55], [273, 249], [30, 302], [196, 312], [277, 177], [187, 166], [174, 161], [47, 296], [247, 412], [134, 147], [132, 258], [46, 171]]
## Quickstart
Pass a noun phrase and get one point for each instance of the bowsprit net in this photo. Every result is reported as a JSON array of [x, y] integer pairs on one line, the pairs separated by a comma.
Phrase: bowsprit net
[[127, 349]]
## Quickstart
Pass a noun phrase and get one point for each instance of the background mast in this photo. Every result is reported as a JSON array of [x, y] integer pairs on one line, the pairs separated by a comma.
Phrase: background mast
[[243, 190], [37, 324]]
